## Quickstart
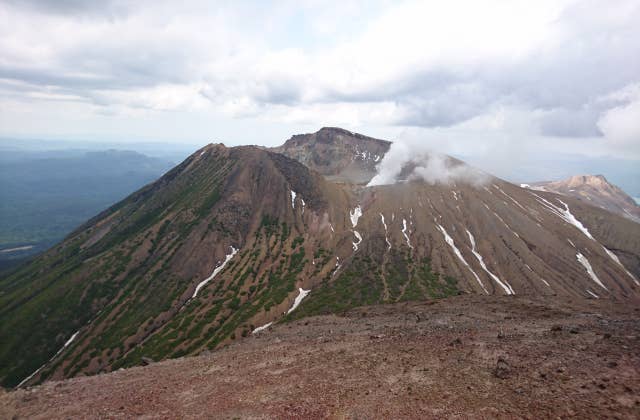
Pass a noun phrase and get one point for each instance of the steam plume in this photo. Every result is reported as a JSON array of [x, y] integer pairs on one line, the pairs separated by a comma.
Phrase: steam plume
[[408, 161]]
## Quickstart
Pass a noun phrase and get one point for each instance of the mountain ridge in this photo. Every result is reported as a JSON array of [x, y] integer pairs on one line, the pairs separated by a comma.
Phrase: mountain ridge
[[233, 239]]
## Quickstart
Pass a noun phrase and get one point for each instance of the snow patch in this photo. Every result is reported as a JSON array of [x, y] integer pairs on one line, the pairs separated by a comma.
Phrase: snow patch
[[262, 328], [506, 286], [215, 272], [565, 214], [64, 346], [404, 232], [386, 236], [365, 155], [543, 280], [615, 258], [301, 295], [510, 198], [293, 199], [593, 294], [449, 240], [502, 220], [585, 263], [337, 267], [355, 215], [359, 238]]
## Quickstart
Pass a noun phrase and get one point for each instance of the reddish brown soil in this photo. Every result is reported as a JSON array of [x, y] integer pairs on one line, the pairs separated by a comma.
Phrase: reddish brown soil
[[416, 360]]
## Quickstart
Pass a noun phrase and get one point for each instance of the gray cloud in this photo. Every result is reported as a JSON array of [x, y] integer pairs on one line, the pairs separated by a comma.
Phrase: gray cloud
[[107, 52], [100, 9], [566, 122]]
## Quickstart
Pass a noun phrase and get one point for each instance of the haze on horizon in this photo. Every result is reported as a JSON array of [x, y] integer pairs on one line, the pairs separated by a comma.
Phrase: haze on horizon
[[500, 82]]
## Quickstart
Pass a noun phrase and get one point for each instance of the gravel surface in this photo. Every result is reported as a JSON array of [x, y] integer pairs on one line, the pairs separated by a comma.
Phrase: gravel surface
[[464, 357]]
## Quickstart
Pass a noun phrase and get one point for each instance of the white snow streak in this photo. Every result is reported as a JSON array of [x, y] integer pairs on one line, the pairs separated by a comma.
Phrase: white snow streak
[[502, 220], [303, 204], [70, 340], [585, 263], [215, 272], [507, 287], [293, 199], [456, 251], [355, 215], [264, 327], [565, 214], [509, 197], [404, 232], [386, 237], [593, 294], [359, 238], [66, 344], [571, 219], [301, 295], [543, 280], [615, 258], [338, 265]]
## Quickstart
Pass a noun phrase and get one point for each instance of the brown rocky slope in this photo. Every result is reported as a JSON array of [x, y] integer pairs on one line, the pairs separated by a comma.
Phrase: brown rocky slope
[[461, 357]]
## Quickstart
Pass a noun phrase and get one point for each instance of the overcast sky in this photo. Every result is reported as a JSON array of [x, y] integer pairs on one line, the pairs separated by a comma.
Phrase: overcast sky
[[499, 78]]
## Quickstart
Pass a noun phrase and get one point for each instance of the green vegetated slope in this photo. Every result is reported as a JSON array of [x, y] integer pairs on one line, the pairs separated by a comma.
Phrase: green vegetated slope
[[368, 280], [124, 275], [79, 281]]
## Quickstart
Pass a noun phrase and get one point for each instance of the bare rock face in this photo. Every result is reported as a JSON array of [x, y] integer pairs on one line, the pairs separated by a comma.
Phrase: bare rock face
[[597, 191], [338, 154]]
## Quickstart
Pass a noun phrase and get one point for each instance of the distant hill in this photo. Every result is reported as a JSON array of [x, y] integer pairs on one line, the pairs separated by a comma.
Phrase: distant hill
[[597, 191], [45, 195]]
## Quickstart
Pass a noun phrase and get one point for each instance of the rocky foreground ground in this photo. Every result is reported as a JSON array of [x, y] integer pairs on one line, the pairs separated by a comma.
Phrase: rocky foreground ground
[[465, 357]]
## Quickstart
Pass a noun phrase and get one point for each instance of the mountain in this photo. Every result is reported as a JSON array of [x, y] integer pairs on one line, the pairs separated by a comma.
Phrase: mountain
[[338, 154], [235, 239], [596, 190], [46, 195]]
